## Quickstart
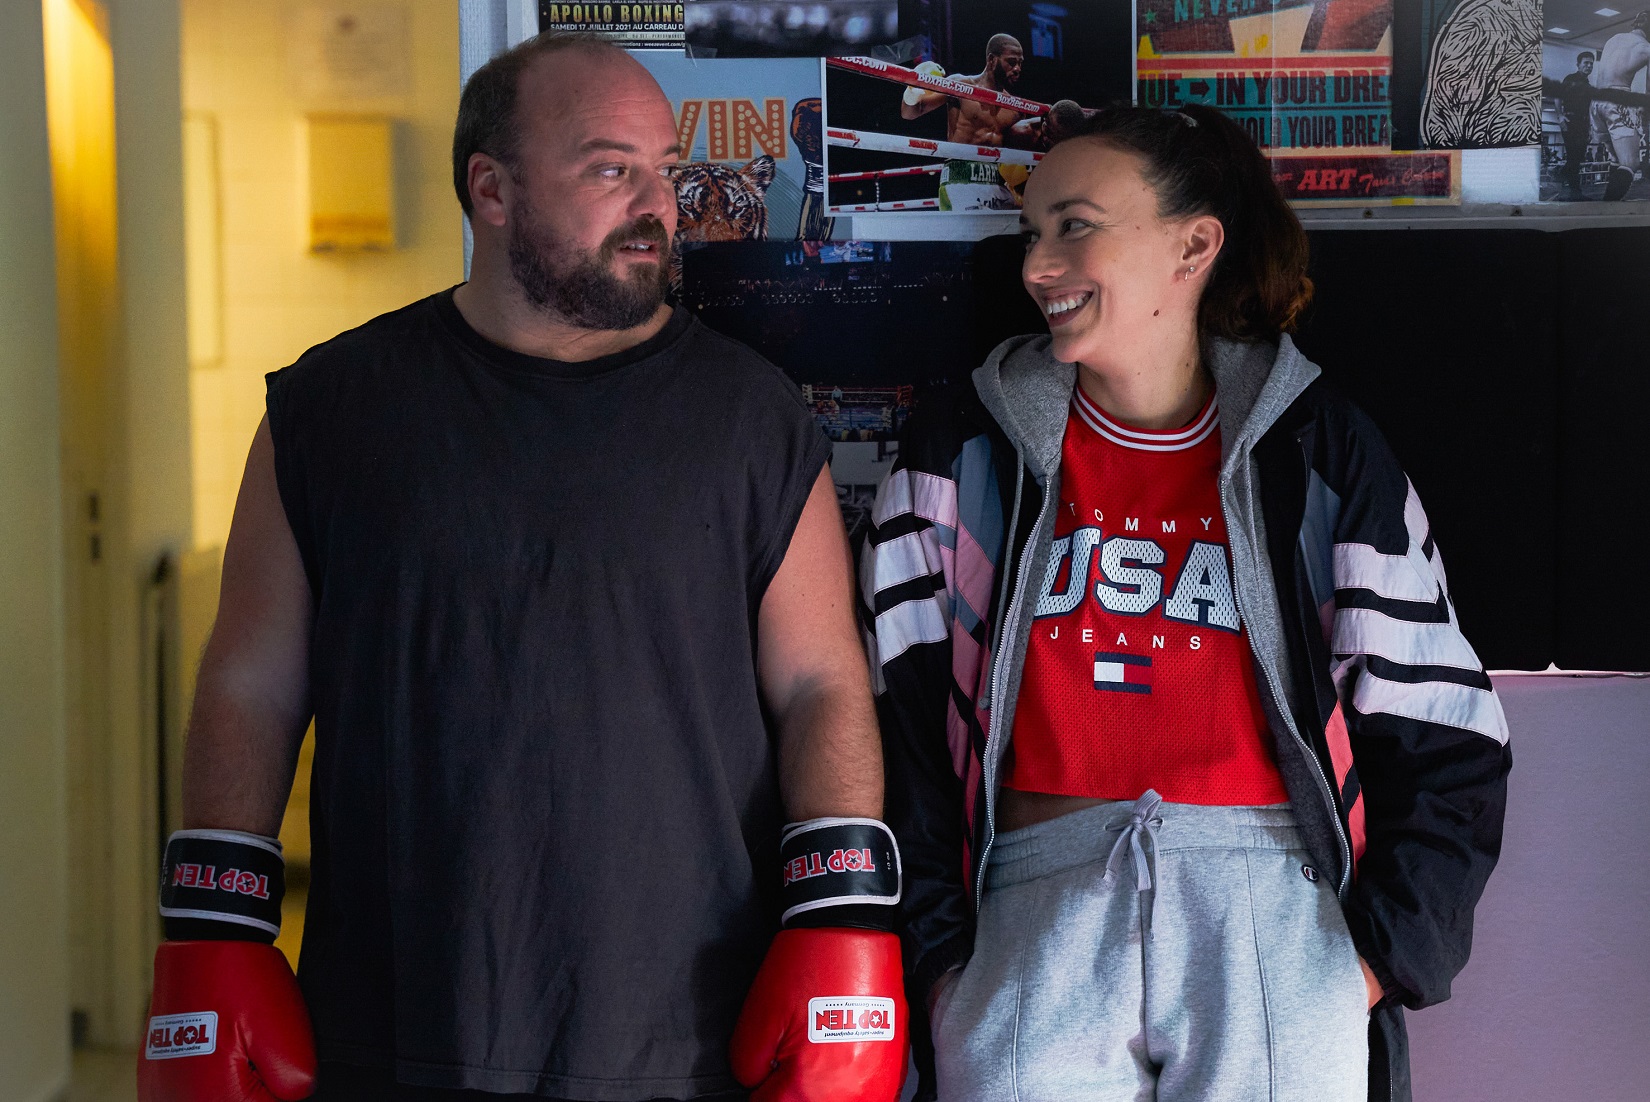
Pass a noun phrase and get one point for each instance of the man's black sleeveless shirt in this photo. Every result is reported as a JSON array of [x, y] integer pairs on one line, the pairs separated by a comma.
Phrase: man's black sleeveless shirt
[[545, 809]]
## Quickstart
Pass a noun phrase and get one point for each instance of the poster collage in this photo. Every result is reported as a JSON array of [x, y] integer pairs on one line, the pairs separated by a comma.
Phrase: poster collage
[[797, 115]]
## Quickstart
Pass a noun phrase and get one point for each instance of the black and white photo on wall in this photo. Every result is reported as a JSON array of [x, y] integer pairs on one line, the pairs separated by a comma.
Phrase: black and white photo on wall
[[1593, 138]]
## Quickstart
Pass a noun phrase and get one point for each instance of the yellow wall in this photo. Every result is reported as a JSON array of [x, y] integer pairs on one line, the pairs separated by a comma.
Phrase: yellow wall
[[34, 997], [244, 86], [145, 515], [81, 120]]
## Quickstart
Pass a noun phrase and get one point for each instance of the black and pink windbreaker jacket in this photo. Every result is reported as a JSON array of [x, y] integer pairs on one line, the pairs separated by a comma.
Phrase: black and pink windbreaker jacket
[[1388, 732]]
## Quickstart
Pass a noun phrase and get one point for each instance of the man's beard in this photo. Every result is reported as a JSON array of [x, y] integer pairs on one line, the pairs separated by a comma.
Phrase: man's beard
[[579, 287]]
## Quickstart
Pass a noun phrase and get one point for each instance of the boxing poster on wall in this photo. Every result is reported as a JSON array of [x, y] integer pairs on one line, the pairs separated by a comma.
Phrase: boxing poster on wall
[[959, 127], [752, 163], [639, 26], [909, 305], [1594, 142], [1309, 80], [1466, 74], [790, 28]]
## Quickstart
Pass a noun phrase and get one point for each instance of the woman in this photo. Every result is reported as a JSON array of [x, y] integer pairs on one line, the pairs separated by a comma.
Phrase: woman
[[1191, 766]]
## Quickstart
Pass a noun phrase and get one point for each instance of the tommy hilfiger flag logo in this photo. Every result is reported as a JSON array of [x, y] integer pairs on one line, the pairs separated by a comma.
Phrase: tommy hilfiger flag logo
[[1122, 673]]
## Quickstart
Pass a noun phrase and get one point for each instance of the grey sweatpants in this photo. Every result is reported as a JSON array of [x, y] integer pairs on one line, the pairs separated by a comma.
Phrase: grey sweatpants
[[1212, 965]]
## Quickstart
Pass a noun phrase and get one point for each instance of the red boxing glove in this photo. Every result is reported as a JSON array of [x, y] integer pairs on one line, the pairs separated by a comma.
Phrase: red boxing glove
[[226, 1024], [825, 1020]]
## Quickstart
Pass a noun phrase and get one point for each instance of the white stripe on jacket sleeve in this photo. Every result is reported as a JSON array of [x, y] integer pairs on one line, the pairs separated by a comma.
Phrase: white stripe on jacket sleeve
[[924, 618], [930, 496], [1387, 633], [1366, 631], [1463, 706], [1412, 576], [913, 555], [909, 623]]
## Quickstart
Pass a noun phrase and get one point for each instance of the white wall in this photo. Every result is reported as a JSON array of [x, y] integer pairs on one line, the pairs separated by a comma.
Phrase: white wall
[[34, 995]]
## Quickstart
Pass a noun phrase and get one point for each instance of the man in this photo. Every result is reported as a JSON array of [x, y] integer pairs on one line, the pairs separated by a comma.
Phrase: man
[[1040, 133], [973, 185], [1619, 63], [1576, 96], [539, 554], [1044, 132]]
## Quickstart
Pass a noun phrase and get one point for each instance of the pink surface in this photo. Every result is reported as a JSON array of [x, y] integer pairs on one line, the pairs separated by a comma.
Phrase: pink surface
[[1555, 1002]]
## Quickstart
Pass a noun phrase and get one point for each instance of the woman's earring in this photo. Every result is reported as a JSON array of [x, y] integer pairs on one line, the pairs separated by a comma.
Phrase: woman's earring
[[1188, 274]]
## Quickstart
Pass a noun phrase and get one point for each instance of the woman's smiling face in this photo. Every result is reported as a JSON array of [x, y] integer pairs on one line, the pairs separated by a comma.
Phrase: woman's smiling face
[[1107, 271]]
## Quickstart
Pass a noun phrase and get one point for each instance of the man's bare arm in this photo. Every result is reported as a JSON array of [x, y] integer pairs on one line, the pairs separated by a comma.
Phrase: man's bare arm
[[812, 672], [252, 696], [927, 102], [1027, 133]]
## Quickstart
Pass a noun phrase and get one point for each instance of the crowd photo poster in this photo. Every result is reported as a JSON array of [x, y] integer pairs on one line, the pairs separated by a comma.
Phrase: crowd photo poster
[[1309, 80], [790, 28], [797, 303]]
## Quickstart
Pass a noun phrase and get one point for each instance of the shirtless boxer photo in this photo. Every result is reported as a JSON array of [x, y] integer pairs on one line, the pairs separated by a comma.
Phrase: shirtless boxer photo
[[974, 185], [1624, 56]]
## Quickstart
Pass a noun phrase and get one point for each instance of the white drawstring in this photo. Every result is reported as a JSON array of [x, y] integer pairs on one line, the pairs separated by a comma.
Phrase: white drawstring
[[1145, 820]]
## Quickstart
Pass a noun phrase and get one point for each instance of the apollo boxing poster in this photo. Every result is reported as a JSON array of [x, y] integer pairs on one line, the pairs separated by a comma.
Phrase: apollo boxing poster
[[752, 166], [957, 123], [1466, 74], [640, 26], [1309, 80], [790, 28]]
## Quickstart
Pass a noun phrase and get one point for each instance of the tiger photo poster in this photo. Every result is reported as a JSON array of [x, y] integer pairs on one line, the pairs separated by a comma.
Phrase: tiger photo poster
[[752, 160]]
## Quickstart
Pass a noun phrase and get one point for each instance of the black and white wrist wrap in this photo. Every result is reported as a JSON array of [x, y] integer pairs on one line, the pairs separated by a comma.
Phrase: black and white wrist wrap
[[222, 885], [840, 872]]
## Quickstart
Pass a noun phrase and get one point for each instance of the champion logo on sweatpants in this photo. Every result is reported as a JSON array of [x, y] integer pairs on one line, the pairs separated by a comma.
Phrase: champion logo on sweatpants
[[1122, 673]]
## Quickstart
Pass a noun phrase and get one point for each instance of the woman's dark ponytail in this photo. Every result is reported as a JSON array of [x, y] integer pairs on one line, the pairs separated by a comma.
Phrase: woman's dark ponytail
[[1198, 161]]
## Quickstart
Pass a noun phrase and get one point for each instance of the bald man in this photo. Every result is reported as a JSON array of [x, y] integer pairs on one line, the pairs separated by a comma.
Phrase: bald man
[[1042, 133], [560, 577]]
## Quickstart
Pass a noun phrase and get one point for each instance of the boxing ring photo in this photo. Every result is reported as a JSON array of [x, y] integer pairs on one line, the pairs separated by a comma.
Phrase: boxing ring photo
[[958, 128]]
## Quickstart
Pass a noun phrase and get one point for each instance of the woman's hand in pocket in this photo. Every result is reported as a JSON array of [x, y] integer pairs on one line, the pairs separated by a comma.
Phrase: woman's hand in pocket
[[1371, 985], [940, 994]]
